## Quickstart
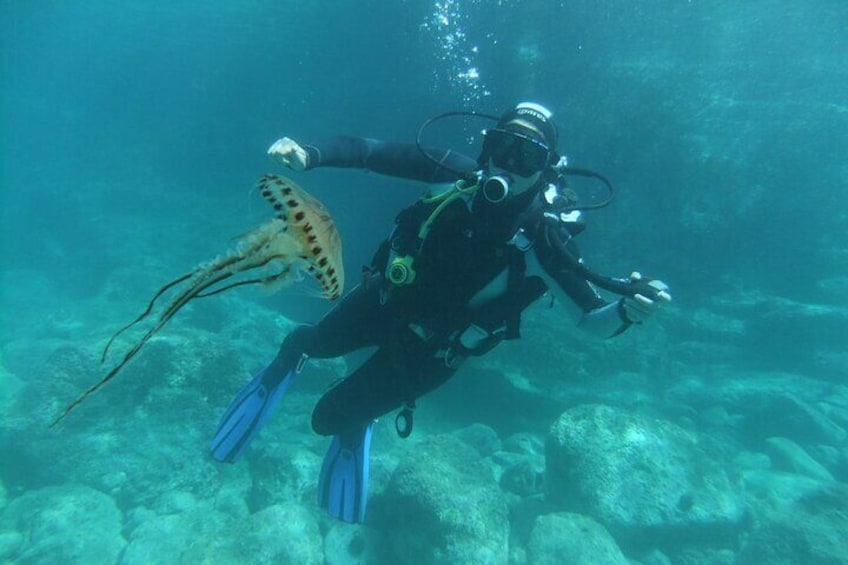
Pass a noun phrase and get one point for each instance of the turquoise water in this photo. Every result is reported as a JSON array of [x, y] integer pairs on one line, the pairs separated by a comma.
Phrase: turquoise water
[[132, 135]]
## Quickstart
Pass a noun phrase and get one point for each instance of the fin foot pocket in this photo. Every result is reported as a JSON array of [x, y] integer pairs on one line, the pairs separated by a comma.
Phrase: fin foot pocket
[[343, 483]]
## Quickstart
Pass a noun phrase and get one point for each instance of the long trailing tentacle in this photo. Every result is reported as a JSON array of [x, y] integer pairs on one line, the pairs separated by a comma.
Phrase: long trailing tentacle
[[301, 236], [218, 271], [200, 280], [234, 285], [227, 261], [181, 301], [146, 313], [268, 280]]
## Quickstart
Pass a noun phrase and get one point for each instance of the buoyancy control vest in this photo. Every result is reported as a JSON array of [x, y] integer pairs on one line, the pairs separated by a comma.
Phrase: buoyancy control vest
[[444, 249]]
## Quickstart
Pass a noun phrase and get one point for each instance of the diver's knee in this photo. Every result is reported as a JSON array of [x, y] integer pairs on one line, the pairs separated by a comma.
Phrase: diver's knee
[[298, 342], [322, 423]]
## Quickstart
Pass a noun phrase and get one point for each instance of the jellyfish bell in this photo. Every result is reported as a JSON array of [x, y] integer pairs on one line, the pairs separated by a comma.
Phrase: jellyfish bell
[[310, 230]]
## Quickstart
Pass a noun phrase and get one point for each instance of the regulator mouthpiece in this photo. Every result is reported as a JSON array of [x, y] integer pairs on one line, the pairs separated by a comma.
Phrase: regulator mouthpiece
[[496, 188]]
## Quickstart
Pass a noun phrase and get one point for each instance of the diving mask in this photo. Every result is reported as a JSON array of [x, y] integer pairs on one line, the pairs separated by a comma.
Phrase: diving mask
[[516, 153]]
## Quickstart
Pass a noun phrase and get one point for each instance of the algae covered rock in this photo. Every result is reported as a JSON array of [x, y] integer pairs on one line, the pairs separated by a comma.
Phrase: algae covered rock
[[523, 464], [797, 519], [766, 404], [183, 529], [443, 505], [524, 478], [70, 524], [790, 456], [643, 478], [285, 534], [804, 537], [348, 544], [571, 538]]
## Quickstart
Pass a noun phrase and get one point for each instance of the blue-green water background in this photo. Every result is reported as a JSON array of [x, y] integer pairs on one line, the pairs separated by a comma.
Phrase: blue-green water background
[[132, 133]]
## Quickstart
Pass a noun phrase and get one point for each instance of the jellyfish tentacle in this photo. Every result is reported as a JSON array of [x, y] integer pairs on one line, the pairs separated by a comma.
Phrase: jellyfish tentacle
[[175, 306], [267, 280], [144, 314], [209, 276], [200, 272], [301, 238]]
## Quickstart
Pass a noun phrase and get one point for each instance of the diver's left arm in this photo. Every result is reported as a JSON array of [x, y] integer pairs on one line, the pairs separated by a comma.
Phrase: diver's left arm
[[594, 315]]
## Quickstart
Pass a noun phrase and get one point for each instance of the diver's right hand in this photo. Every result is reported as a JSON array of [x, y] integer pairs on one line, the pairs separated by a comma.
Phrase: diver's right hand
[[290, 153]]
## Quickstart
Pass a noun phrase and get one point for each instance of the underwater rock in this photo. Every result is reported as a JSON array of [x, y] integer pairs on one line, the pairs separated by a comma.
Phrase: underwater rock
[[789, 456], [283, 534], [767, 404], [348, 544], [573, 539], [836, 288], [179, 532], [789, 541], [144, 434], [283, 470], [134, 459], [71, 524], [774, 314], [193, 532], [647, 480], [830, 458], [828, 363], [525, 478], [442, 505], [798, 324], [481, 437], [798, 520], [177, 365], [843, 459], [509, 404], [655, 557], [524, 443], [751, 461], [768, 491], [788, 333], [709, 322], [10, 545], [779, 413], [52, 380], [694, 555]]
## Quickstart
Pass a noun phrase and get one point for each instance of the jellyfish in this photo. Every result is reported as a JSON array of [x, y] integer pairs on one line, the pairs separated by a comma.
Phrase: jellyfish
[[301, 240]]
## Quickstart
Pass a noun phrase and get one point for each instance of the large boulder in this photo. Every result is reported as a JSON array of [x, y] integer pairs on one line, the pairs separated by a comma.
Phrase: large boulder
[[797, 518], [573, 539], [789, 456], [647, 480], [181, 528], [443, 505], [70, 524], [146, 433], [787, 333], [805, 410]]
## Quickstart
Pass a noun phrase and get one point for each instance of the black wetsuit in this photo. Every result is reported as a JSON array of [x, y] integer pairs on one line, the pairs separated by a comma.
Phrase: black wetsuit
[[415, 327]]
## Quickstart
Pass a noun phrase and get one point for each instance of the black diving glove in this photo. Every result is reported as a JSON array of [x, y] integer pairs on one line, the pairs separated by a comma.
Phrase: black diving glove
[[649, 296]]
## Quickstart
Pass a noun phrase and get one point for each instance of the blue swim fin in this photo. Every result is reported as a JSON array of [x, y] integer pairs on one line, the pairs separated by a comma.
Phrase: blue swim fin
[[343, 484], [250, 410]]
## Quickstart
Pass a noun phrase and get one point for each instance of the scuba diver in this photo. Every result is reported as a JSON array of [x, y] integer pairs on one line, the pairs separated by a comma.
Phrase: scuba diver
[[450, 282]]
